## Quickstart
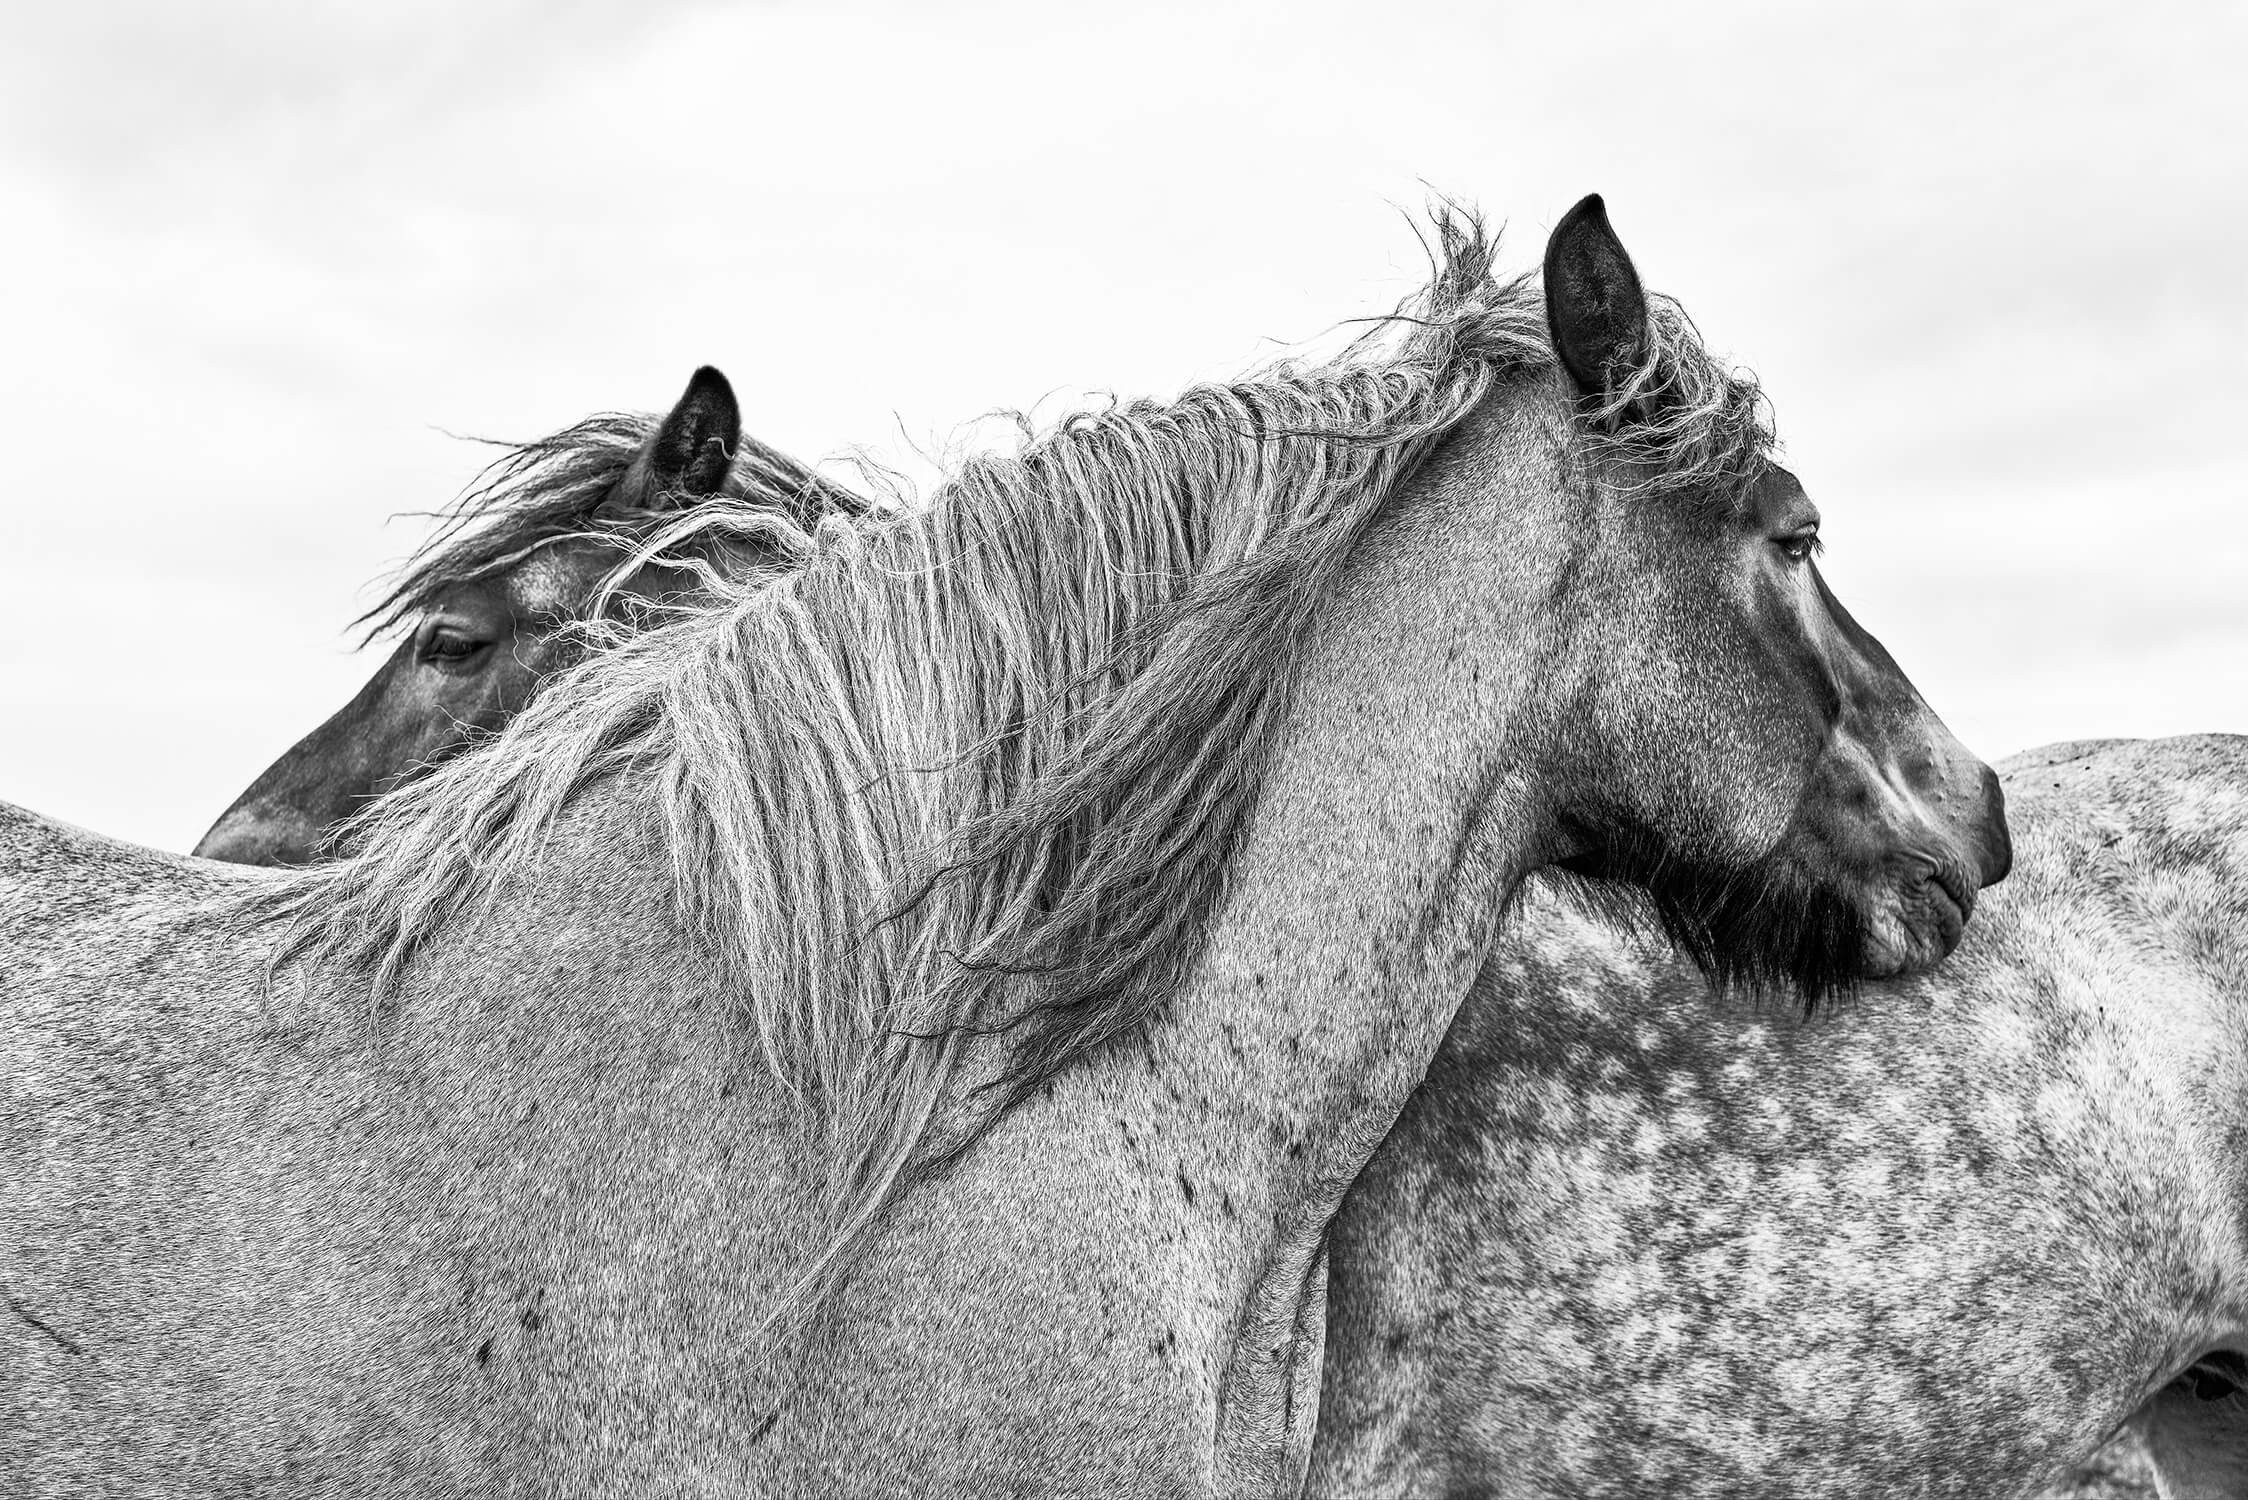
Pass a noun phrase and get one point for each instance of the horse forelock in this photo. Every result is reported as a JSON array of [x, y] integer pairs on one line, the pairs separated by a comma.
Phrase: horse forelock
[[1682, 423], [1685, 425], [979, 768], [572, 486]]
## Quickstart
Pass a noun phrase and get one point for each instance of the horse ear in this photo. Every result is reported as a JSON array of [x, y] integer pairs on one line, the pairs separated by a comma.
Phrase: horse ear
[[691, 453], [1595, 309]]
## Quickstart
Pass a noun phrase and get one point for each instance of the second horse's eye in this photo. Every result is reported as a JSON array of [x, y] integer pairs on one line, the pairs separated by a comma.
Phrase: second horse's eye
[[449, 646]]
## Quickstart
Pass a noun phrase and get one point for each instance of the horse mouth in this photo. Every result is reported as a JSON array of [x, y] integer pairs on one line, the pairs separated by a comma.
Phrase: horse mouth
[[1951, 901], [1925, 924]]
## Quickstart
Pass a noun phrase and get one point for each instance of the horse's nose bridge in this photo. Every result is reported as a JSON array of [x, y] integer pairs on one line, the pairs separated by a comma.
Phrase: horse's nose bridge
[[1916, 776], [1917, 756], [1924, 777], [1936, 781]]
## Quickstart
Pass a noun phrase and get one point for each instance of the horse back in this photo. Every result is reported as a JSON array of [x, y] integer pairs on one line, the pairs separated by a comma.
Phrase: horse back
[[1937, 1240], [139, 1213]]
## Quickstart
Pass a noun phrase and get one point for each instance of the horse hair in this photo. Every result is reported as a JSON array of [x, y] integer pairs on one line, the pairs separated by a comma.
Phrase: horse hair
[[979, 768], [1760, 929], [566, 488]]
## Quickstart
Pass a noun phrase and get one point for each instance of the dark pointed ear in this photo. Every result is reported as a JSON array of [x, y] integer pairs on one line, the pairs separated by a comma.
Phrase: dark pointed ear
[[1595, 309], [690, 454]]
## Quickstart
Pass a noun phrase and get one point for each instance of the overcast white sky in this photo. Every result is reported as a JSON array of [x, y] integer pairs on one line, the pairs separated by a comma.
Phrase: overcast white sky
[[1988, 259]]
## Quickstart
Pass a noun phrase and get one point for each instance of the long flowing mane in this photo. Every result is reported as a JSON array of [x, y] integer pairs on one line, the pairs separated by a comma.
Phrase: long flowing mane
[[578, 486], [979, 769]]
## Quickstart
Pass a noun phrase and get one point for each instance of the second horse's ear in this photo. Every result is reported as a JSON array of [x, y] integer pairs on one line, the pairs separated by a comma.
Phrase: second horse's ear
[[691, 453], [1595, 308]]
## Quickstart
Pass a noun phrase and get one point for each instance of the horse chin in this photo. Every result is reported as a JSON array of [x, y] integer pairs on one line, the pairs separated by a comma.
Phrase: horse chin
[[1915, 926], [1796, 920], [1761, 928]]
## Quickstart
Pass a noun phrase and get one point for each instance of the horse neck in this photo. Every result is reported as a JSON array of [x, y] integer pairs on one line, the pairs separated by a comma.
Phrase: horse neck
[[1362, 901]]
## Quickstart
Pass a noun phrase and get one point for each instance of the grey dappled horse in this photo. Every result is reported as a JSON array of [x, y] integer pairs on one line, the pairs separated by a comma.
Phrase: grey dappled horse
[[492, 606], [1945, 1242], [908, 1029]]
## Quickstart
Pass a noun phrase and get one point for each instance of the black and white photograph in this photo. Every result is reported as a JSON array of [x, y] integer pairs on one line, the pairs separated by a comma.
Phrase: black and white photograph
[[1261, 752]]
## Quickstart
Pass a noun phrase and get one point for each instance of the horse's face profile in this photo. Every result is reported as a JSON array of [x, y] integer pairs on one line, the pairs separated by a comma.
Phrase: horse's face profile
[[1756, 729], [1736, 744], [469, 665], [477, 651]]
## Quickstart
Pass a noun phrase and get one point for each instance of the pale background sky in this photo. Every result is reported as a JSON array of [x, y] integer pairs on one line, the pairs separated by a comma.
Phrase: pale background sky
[[253, 257]]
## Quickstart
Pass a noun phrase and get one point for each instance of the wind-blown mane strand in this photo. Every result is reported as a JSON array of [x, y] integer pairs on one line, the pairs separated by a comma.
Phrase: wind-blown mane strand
[[565, 487], [978, 770]]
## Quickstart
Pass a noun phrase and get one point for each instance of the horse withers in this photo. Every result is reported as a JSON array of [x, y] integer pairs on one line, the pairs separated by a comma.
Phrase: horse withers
[[908, 1028], [495, 604], [1944, 1243]]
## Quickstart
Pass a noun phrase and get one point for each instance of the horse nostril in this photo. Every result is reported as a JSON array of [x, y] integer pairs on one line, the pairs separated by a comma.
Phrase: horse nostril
[[1998, 843], [240, 841], [2216, 1377]]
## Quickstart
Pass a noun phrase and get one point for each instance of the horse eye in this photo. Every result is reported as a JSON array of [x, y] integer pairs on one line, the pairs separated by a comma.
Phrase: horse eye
[[1801, 546], [447, 645]]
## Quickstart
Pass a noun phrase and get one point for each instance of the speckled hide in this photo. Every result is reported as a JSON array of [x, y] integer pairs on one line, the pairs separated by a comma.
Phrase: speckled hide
[[1947, 1241], [908, 1028]]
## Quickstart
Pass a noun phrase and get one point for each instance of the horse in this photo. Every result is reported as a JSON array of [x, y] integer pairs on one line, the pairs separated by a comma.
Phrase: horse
[[497, 601], [1950, 1241], [907, 1027]]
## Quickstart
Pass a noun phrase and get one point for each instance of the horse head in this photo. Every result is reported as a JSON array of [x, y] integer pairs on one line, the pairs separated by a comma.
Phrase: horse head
[[487, 623], [1746, 752]]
